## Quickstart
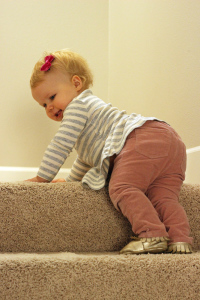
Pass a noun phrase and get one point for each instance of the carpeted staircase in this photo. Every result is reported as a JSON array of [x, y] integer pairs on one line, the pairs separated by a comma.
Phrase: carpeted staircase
[[61, 241]]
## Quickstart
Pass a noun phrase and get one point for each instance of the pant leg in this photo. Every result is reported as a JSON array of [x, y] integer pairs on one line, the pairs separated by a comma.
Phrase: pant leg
[[170, 212], [141, 166], [130, 178], [165, 190]]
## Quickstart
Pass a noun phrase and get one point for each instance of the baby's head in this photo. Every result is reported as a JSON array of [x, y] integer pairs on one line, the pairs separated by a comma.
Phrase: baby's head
[[64, 61], [57, 79]]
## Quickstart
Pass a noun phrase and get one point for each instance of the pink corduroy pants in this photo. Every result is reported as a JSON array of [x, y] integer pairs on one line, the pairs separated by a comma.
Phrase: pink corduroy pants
[[146, 181]]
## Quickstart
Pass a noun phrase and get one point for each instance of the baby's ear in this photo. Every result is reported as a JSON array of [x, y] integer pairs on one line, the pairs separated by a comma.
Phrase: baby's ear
[[76, 80]]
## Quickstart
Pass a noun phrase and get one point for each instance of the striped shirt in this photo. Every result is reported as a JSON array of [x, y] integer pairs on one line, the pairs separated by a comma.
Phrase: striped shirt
[[97, 131]]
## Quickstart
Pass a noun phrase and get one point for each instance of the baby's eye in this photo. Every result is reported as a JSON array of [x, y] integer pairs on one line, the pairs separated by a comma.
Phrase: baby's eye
[[52, 97], [45, 105]]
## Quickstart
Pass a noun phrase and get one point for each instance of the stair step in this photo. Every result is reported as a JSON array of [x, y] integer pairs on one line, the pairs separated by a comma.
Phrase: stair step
[[67, 217], [59, 217], [96, 276], [80, 233]]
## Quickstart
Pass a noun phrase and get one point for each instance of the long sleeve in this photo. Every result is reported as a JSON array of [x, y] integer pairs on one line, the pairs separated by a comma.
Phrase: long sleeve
[[78, 170], [74, 120]]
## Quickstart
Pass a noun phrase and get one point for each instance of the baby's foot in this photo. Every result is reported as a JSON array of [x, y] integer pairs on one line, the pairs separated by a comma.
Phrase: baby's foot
[[180, 248], [146, 245]]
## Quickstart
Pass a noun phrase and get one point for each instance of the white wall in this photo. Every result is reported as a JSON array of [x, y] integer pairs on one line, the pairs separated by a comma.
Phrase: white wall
[[193, 163], [154, 65], [144, 55], [27, 29]]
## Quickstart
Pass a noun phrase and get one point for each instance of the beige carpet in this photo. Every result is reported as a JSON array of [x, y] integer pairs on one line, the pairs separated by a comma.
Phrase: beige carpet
[[51, 236]]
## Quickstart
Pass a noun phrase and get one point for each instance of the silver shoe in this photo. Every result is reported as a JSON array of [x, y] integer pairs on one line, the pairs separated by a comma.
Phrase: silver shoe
[[180, 248], [146, 245]]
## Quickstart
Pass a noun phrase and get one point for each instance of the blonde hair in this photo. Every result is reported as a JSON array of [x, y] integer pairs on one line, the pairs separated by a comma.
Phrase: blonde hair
[[65, 61]]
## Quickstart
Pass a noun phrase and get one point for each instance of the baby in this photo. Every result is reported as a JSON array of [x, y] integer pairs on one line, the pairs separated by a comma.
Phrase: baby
[[144, 158]]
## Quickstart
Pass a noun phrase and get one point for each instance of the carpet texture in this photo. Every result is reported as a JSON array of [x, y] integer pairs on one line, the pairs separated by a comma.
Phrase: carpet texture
[[60, 241]]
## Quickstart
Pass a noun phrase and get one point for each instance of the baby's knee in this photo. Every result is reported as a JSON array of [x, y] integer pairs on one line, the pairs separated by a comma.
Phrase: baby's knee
[[115, 193], [118, 191]]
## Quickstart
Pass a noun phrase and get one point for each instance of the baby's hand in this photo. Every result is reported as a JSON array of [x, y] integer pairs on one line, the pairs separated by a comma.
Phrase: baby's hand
[[58, 180], [37, 179]]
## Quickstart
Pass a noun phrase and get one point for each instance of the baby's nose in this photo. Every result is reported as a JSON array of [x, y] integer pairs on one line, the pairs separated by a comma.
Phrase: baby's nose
[[49, 107]]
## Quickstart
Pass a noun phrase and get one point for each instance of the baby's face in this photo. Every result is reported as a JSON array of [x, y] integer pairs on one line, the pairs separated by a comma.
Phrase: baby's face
[[56, 92]]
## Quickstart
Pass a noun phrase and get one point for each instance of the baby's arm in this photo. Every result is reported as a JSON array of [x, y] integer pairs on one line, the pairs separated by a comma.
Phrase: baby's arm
[[74, 120], [78, 170]]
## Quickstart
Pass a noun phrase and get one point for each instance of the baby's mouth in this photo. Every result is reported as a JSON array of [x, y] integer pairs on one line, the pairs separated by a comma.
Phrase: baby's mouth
[[58, 113]]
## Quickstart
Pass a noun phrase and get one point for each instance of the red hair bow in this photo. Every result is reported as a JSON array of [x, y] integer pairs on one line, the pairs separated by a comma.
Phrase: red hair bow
[[48, 60]]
